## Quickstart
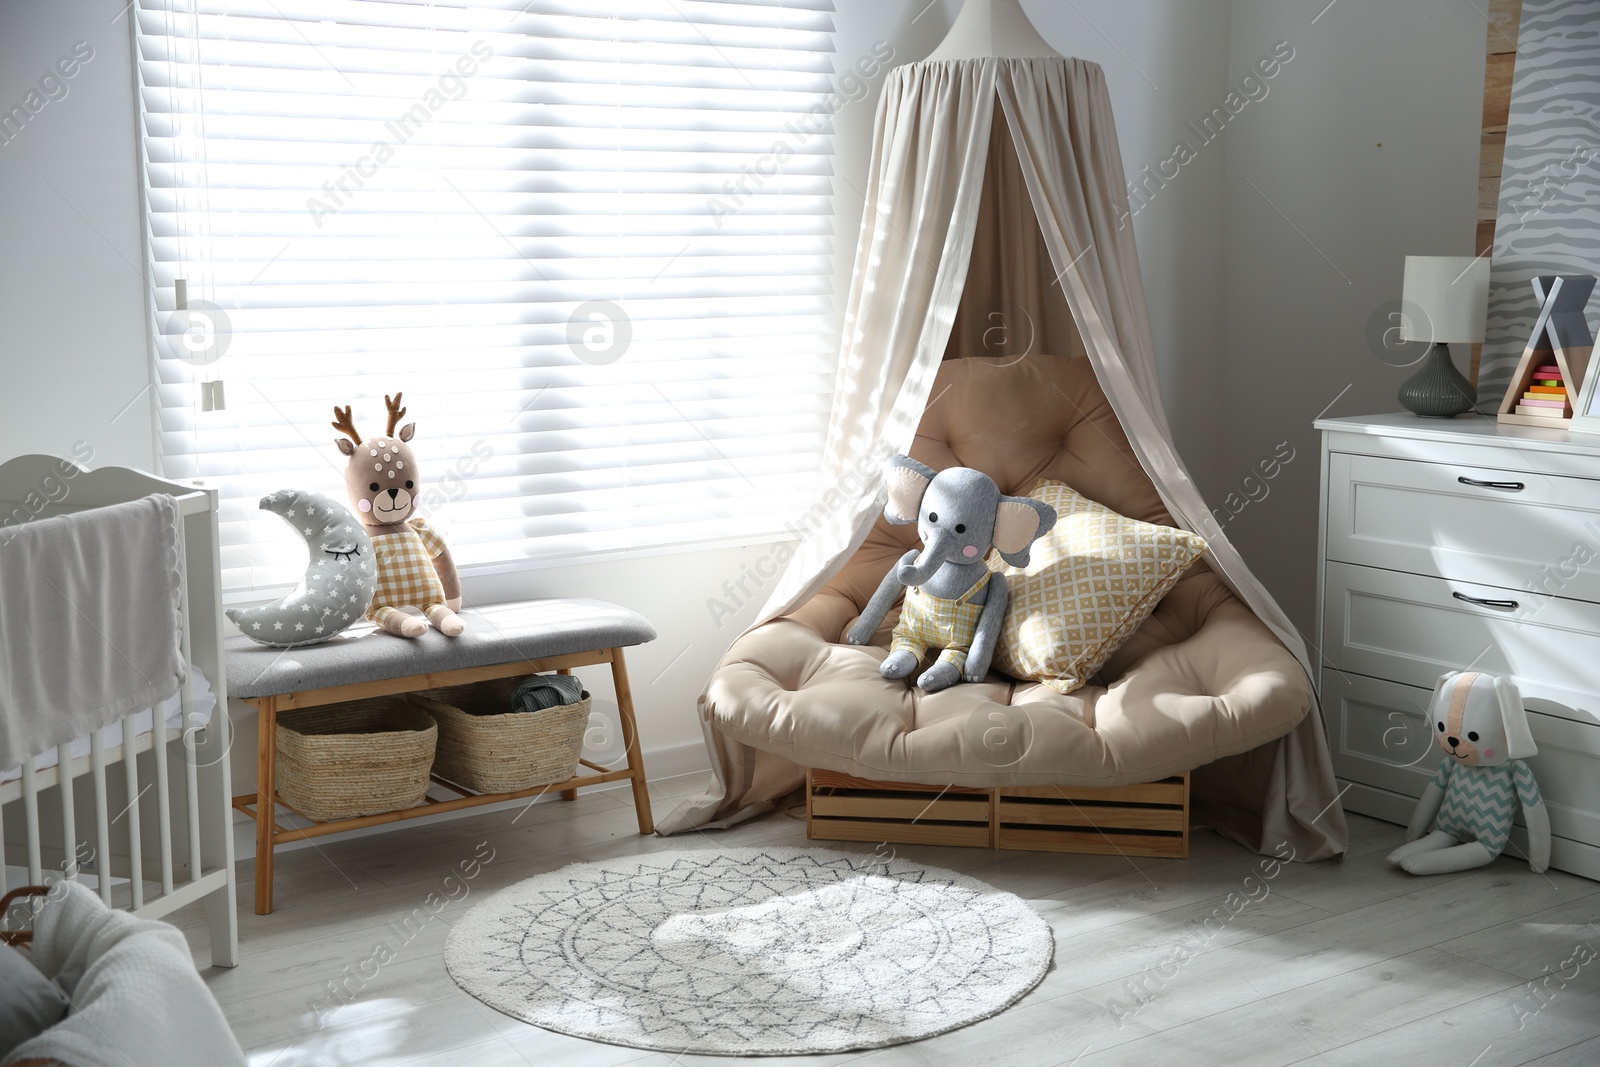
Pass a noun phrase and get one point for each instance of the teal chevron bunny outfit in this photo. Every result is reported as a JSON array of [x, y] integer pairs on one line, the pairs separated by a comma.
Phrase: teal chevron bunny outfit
[[1463, 818], [1480, 802]]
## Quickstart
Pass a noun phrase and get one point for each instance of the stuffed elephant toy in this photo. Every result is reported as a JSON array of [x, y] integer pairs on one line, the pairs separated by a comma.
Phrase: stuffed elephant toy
[[953, 602], [1464, 817]]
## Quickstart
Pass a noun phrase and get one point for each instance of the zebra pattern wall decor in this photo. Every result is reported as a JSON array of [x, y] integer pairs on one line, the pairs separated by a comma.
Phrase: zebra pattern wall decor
[[1549, 213]]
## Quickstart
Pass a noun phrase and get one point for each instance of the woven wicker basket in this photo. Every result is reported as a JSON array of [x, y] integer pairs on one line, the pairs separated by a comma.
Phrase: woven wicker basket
[[362, 757], [498, 750]]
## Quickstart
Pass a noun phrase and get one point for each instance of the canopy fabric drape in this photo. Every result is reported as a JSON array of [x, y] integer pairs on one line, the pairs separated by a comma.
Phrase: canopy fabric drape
[[1011, 306], [934, 148]]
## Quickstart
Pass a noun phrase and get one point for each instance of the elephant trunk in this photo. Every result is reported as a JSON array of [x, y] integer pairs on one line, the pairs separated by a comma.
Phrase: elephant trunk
[[925, 565]]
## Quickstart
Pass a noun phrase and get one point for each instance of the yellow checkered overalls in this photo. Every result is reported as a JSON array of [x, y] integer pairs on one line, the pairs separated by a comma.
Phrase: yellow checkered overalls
[[928, 621], [406, 576]]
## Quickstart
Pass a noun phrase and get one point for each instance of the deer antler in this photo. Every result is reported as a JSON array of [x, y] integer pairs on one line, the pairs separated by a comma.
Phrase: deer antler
[[345, 424], [396, 412]]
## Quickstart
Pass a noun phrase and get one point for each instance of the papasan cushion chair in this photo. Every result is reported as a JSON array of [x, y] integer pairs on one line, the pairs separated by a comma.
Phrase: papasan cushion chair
[[1200, 680]]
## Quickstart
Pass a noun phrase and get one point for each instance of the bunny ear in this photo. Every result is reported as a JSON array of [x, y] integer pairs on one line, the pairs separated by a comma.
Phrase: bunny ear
[[1519, 739], [1439, 696], [907, 480]]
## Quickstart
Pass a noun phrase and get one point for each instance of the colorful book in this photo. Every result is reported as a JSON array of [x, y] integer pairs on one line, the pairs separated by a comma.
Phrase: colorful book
[[1540, 402], [1549, 370], [1543, 413], [1548, 390]]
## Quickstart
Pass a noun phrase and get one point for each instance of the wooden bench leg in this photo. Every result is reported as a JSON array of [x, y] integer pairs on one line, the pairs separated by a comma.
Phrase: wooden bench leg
[[567, 794], [630, 737], [266, 803]]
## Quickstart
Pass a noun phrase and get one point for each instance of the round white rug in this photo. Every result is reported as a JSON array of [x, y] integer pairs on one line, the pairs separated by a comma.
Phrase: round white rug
[[753, 951]]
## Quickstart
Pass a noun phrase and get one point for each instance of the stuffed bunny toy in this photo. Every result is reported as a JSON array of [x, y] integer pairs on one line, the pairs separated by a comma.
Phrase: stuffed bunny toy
[[415, 568], [1479, 721], [953, 602]]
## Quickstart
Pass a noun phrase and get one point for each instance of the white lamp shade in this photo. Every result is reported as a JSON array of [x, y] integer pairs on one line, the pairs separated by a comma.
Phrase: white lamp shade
[[1447, 298]]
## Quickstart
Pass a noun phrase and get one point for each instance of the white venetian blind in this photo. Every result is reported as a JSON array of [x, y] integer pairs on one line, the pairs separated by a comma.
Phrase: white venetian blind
[[589, 239]]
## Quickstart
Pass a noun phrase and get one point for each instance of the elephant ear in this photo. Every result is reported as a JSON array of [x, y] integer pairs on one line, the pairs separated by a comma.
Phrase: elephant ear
[[1519, 739], [907, 480], [1018, 523]]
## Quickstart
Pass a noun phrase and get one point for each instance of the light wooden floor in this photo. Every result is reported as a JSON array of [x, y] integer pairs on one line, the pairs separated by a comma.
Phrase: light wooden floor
[[1346, 964]]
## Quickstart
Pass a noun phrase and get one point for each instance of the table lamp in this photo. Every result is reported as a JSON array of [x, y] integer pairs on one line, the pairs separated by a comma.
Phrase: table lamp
[[1445, 298]]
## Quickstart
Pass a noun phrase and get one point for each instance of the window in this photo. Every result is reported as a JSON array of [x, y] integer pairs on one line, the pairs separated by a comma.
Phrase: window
[[590, 242]]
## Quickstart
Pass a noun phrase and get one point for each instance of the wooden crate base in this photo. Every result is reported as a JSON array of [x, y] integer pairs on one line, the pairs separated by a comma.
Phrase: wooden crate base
[[1133, 820]]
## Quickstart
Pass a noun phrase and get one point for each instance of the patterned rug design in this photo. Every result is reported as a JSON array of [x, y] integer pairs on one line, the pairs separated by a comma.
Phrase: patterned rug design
[[753, 951]]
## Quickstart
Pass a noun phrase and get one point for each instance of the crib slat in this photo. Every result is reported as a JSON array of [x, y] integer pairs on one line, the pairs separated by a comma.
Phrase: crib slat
[[130, 771], [30, 822], [163, 799], [192, 791], [69, 815], [102, 816], [3, 889], [191, 770]]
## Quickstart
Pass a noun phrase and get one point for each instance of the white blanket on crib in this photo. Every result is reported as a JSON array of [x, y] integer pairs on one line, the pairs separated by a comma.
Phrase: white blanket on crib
[[137, 1000], [90, 621], [169, 713]]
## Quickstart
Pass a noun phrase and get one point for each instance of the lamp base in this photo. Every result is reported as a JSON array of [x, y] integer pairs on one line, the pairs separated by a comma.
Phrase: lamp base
[[1438, 390]]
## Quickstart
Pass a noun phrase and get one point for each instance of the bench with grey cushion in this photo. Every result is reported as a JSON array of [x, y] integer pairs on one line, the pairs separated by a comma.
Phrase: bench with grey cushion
[[501, 640], [498, 634]]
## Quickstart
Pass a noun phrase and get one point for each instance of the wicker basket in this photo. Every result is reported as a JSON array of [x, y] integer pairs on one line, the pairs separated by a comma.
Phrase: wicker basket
[[498, 750], [362, 757]]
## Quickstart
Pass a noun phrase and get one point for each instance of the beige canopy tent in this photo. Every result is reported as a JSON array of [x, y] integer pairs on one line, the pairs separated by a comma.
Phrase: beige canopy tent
[[996, 182]]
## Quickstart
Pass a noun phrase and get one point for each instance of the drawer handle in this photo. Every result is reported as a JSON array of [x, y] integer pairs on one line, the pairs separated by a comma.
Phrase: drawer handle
[[1515, 487], [1503, 605]]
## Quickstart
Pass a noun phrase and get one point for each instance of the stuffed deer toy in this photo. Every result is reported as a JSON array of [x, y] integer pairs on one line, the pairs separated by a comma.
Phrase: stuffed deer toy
[[953, 602], [414, 564], [1464, 817]]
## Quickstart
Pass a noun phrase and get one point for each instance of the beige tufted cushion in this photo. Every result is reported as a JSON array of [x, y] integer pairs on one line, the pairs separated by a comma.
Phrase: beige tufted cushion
[[1200, 679]]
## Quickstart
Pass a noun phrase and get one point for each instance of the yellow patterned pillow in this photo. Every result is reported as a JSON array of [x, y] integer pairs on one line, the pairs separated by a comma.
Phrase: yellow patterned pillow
[[1090, 583]]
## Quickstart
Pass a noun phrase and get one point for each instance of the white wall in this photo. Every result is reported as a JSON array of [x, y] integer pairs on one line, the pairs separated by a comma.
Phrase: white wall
[[1182, 46], [1254, 331], [1368, 146], [75, 352], [72, 333], [1166, 64]]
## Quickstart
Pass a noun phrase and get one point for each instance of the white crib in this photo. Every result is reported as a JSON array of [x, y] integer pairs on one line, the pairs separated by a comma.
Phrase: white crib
[[144, 814]]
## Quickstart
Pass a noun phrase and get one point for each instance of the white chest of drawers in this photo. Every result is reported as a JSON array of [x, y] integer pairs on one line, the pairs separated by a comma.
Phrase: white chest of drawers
[[1454, 544]]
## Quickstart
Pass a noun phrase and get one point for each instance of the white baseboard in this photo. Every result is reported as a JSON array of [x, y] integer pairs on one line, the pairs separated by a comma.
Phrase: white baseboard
[[667, 761], [671, 761]]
